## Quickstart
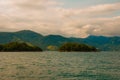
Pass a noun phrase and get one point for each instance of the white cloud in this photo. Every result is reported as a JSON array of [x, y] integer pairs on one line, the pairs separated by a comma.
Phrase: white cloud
[[49, 17], [93, 10]]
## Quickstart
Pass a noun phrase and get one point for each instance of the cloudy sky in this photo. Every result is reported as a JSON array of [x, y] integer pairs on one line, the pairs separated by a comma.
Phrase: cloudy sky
[[71, 18]]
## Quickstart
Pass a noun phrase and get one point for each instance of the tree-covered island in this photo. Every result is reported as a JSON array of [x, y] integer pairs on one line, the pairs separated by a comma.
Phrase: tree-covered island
[[27, 47], [18, 46], [69, 47]]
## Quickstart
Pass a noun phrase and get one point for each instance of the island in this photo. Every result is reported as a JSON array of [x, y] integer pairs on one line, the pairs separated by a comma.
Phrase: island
[[18, 47], [77, 47]]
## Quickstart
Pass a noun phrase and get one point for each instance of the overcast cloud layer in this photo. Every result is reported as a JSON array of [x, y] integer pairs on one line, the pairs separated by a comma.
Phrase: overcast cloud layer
[[51, 17]]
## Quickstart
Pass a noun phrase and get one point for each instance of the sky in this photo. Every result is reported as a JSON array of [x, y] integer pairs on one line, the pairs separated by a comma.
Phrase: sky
[[70, 18]]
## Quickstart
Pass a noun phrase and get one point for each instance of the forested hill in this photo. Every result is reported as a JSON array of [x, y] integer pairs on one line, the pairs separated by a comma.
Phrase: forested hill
[[100, 42], [18, 46]]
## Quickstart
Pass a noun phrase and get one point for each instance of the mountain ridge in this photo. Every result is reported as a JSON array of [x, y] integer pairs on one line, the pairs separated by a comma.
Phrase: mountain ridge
[[101, 42]]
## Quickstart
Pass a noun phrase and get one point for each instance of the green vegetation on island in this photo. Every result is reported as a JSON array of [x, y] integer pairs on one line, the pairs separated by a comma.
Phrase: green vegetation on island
[[18, 46], [68, 47], [52, 48]]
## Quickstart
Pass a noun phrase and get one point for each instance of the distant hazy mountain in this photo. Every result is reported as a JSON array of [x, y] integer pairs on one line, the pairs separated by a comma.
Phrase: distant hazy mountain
[[101, 42]]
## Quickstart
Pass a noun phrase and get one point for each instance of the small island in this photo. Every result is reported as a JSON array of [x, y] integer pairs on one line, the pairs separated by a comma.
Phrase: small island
[[18, 46], [70, 47]]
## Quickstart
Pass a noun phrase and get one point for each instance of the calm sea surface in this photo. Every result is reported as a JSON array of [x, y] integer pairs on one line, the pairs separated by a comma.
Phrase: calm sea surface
[[60, 66]]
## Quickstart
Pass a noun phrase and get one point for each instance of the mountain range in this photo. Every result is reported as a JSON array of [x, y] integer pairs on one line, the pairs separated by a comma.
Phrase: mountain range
[[101, 42]]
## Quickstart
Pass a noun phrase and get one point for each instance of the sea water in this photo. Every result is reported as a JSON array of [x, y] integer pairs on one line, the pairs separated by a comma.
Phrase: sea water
[[59, 65]]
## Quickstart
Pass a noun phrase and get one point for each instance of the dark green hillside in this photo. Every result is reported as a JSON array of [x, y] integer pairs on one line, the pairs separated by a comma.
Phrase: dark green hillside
[[19, 46], [6, 37], [68, 47], [104, 43], [100, 42], [28, 35], [21, 36], [54, 40]]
